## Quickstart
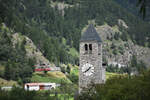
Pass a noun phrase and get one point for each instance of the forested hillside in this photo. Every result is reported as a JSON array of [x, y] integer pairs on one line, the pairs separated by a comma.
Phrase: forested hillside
[[56, 32], [14, 65], [134, 7]]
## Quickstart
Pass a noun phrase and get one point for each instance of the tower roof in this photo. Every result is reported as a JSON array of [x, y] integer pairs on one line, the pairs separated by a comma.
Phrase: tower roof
[[90, 35]]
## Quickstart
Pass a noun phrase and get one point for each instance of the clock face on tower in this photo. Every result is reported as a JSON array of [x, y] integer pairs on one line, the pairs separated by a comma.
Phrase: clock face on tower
[[88, 69]]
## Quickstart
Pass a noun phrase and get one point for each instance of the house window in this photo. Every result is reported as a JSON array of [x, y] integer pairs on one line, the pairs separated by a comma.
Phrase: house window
[[90, 48]]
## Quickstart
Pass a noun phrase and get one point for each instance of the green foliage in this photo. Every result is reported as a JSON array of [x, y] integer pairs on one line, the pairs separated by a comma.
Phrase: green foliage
[[65, 92], [116, 69], [134, 66], [124, 35], [42, 77], [113, 46], [121, 88], [20, 94], [121, 49], [116, 36], [46, 26], [139, 66], [133, 61], [17, 65], [68, 69], [136, 7], [74, 75], [115, 51], [74, 78], [63, 69]]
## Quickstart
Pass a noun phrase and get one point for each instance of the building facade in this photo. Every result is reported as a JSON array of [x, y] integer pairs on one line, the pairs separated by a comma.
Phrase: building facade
[[39, 86]]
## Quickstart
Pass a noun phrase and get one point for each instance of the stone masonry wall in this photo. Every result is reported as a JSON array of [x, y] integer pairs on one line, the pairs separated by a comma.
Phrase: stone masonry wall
[[94, 58]]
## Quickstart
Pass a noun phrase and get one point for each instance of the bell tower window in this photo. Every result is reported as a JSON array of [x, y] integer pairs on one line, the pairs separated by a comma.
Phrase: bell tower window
[[86, 48], [90, 48]]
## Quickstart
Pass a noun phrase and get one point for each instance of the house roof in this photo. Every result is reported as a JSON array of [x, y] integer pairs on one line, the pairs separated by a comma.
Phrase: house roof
[[90, 35], [36, 84]]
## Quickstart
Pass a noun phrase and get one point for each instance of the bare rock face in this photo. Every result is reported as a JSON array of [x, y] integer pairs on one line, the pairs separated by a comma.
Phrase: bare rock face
[[60, 6], [31, 50], [118, 52], [107, 30], [122, 23]]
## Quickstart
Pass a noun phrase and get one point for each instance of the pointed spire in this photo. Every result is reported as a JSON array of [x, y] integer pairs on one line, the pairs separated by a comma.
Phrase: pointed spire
[[90, 35]]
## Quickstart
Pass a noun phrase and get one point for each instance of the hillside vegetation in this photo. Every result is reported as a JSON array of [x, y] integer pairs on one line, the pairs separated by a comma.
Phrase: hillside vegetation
[[121, 88], [48, 28], [56, 30], [135, 8], [116, 88], [7, 83], [14, 63], [53, 77]]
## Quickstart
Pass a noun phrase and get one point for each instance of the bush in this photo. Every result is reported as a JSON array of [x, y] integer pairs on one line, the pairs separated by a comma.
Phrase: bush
[[121, 49], [120, 88], [63, 69], [115, 51], [74, 78]]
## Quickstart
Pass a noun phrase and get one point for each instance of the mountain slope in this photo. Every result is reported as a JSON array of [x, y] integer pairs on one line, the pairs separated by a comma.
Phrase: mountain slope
[[31, 50], [23, 55], [119, 52], [56, 34], [132, 6]]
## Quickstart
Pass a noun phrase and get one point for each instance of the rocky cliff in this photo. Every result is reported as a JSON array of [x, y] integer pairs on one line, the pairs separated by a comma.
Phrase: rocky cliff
[[31, 50], [117, 51]]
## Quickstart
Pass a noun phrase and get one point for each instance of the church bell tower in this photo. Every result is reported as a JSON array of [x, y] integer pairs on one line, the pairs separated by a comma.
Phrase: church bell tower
[[91, 69]]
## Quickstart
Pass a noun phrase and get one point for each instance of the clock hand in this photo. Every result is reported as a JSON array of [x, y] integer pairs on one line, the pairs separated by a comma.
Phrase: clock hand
[[87, 69]]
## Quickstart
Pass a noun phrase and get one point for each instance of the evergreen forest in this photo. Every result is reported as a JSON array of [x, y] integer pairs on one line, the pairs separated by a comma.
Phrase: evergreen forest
[[56, 31]]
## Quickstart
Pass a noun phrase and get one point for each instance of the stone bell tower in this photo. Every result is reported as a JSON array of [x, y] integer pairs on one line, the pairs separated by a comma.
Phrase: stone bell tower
[[91, 69]]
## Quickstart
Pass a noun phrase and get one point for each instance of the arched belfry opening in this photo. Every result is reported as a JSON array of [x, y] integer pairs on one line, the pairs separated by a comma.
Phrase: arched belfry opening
[[90, 48], [86, 48]]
